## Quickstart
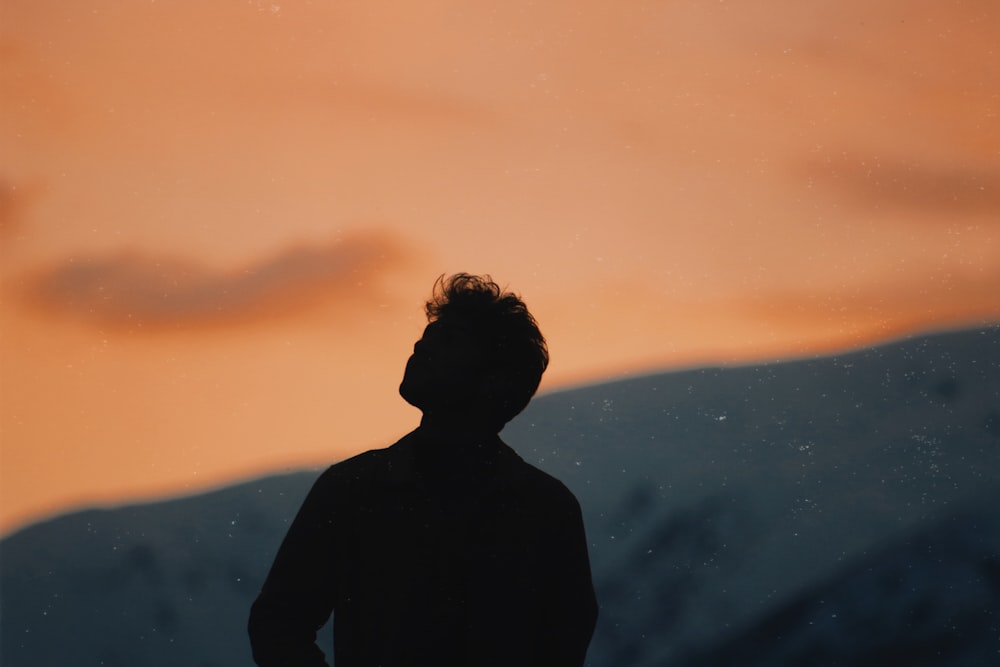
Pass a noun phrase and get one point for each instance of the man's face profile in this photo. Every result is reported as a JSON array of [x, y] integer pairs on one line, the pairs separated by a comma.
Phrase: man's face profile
[[444, 372]]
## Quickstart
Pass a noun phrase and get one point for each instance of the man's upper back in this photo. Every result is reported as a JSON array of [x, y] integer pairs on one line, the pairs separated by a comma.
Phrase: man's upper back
[[464, 557]]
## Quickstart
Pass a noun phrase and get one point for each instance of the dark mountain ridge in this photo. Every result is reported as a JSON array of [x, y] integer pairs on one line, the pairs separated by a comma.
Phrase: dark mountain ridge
[[733, 513]]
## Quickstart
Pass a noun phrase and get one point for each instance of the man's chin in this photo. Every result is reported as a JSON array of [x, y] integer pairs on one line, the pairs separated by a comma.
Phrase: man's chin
[[410, 395]]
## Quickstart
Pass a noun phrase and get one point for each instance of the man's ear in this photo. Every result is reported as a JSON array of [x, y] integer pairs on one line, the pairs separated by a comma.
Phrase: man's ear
[[496, 389], [492, 384]]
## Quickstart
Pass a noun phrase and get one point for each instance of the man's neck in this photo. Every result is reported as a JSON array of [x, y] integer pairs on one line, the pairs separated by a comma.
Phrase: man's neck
[[455, 432]]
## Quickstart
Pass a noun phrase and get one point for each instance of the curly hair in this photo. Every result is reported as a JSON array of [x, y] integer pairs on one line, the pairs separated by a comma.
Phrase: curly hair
[[508, 334]]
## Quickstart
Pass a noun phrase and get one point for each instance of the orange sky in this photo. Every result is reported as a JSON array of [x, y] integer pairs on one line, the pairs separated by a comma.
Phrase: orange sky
[[218, 220]]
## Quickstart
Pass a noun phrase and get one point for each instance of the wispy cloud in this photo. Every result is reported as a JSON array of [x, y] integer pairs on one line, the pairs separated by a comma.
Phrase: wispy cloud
[[927, 187], [143, 290], [866, 312]]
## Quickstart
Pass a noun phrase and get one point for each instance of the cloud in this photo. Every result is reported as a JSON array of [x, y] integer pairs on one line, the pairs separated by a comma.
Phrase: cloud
[[924, 187], [866, 312], [141, 290]]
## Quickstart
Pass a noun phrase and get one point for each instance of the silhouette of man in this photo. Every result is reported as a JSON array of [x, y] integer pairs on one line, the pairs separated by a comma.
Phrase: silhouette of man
[[445, 549]]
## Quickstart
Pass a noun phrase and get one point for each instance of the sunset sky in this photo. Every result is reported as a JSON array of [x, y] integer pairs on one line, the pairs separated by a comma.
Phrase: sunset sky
[[218, 221]]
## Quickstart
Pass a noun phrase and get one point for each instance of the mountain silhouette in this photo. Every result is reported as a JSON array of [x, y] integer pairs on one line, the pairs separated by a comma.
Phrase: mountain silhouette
[[837, 510]]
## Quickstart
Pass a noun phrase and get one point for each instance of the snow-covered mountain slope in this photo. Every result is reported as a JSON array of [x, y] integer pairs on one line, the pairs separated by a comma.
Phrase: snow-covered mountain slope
[[714, 497], [840, 510]]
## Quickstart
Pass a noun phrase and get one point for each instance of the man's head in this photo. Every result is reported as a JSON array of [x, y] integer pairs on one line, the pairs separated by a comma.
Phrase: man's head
[[481, 356]]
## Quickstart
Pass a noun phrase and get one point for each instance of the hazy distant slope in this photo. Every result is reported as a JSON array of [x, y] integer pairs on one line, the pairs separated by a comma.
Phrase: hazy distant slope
[[715, 496], [159, 584], [727, 509], [928, 599]]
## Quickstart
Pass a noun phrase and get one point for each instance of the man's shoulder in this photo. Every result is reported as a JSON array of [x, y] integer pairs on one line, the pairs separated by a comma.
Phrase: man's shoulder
[[369, 465], [541, 483]]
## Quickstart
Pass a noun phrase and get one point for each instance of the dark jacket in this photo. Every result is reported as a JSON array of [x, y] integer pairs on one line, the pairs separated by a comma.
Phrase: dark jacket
[[469, 557]]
